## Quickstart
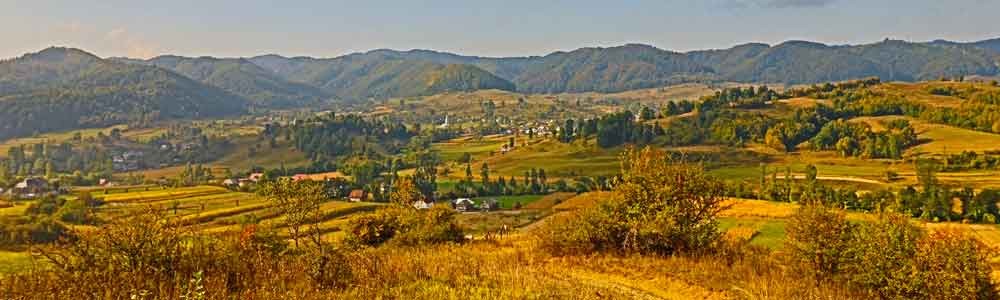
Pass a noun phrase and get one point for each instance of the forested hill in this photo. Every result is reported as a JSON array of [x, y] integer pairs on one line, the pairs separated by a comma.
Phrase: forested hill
[[383, 73], [806, 62], [61, 88], [242, 77]]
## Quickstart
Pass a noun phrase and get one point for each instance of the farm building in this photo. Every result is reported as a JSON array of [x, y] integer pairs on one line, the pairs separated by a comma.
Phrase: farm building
[[231, 182], [464, 204], [420, 204], [491, 204], [255, 177], [31, 188], [357, 195]]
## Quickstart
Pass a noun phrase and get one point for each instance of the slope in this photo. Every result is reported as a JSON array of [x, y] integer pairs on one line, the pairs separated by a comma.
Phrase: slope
[[61, 88]]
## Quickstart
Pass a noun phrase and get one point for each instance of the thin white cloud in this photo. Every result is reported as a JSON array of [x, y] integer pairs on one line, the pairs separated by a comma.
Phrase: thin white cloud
[[123, 41]]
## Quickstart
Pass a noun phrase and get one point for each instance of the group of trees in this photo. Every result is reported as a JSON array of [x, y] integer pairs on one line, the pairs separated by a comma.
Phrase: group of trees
[[193, 175], [45, 220], [79, 164], [970, 160], [333, 136], [610, 130], [858, 139], [930, 200], [534, 182]]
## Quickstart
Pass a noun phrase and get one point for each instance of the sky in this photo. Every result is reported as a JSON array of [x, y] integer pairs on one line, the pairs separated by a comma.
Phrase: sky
[[498, 28]]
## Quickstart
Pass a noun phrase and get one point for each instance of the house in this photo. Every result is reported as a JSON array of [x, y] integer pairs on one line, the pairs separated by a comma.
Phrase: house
[[243, 182], [357, 195], [127, 161], [421, 204], [31, 188], [256, 177], [230, 182], [464, 204], [489, 205]]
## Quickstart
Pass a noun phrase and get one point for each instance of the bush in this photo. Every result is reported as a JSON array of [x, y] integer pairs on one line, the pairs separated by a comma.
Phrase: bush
[[658, 207], [881, 257], [952, 265], [327, 267], [375, 228], [818, 239], [402, 225]]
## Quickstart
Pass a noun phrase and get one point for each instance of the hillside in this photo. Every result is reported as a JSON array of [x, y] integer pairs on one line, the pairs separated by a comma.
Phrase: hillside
[[61, 88], [993, 44], [609, 70], [628, 67], [382, 74], [243, 78], [799, 62]]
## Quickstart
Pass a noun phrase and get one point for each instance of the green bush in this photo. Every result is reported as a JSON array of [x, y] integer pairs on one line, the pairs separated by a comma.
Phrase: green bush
[[658, 207], [881, 257], [401, 225], [375, 228]]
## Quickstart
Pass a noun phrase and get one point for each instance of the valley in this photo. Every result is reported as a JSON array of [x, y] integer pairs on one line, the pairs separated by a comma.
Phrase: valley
[[620, 172]]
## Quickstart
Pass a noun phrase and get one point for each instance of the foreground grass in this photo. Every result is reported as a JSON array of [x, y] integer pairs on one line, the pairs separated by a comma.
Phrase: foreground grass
[[17, 261]]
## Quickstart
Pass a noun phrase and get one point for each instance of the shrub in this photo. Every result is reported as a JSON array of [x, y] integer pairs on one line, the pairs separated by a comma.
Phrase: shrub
[[658, 207], [818, 239], [881, 256], [952, 265], [403, 225], [375, 228], [584, 231], [327, 267]]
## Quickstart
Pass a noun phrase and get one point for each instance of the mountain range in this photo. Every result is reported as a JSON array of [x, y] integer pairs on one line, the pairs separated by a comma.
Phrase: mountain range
[[635, 66], [92, 91], [61, 88]]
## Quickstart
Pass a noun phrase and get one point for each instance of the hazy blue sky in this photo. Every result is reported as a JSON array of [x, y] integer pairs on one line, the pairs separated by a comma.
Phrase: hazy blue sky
[[490, 28]]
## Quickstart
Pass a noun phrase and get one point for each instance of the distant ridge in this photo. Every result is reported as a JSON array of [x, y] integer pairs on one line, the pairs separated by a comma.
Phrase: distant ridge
[[632, 66]]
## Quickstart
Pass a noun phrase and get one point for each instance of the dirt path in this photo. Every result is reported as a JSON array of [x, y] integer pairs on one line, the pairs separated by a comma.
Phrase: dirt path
[[838, 178]]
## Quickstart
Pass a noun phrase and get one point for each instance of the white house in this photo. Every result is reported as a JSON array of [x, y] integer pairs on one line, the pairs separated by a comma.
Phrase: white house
[[420, 204], [464, 204]]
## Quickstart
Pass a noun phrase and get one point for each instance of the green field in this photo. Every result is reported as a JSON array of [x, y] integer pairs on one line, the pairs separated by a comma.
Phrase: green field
[[768, 233], [54, 137], [941, 139]]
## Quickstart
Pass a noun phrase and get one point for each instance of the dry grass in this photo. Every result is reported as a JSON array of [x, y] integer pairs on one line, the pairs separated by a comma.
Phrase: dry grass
[[581, 201], [550, 201]]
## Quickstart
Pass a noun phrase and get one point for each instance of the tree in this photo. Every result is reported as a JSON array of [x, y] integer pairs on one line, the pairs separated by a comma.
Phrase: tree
[[425, 176], [777, 138], [406, 192], [297, 201], [847, 146], [484, 173], [811, 174]]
